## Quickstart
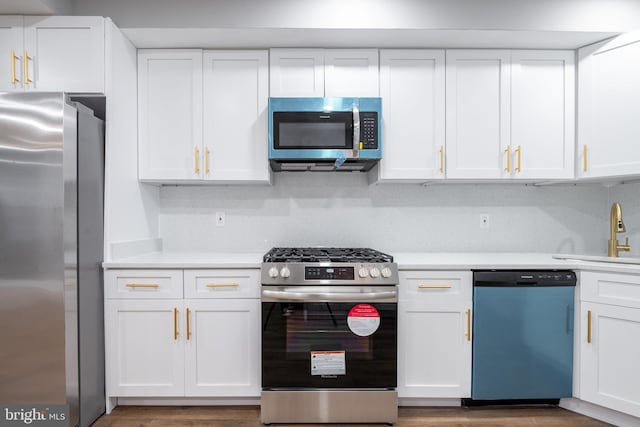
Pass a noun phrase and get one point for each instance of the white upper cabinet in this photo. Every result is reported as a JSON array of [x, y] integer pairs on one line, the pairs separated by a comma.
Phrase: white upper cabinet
[[542, 114], [351, 73], [11, 43], [296, 72], [478, 113], [52, 53], [510, 114], [608, 105], [412, 87], [323, 72], [170, 114], [235, 111]]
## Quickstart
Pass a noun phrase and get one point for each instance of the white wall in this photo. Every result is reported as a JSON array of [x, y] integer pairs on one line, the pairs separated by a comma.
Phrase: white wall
[[628, 195], [342, 210], [544, 15], [131, 208]]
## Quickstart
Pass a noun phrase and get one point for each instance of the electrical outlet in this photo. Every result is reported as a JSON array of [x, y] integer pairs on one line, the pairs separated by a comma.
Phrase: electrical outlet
[[220, 219], [484, 220]]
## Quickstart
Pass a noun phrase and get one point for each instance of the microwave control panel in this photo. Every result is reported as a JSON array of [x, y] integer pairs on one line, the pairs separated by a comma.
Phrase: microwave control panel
[[369, 130]]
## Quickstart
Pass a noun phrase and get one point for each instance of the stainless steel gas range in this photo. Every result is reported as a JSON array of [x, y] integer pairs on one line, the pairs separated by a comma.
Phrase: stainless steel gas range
[[329, 336]]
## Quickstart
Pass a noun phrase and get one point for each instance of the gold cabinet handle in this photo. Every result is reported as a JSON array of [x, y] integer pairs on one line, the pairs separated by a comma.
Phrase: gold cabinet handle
[[206, 161], [142, 285], [188, 324], [175, 324], [507, 151], [434, 286], [519, 153], [584, 158], [468, 334], [442, 159], [197, 160], [14, 79], [222, 285], [589, 326], [27, 58]]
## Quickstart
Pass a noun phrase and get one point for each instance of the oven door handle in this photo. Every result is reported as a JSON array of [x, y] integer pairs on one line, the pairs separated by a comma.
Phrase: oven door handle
[[329, 296]]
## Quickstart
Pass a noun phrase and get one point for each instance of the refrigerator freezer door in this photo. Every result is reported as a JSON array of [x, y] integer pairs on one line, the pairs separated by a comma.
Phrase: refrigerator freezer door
[[32, 270]]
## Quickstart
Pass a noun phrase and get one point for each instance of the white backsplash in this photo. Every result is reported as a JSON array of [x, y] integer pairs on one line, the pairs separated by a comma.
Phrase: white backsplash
[[310, 209], [628, 195]]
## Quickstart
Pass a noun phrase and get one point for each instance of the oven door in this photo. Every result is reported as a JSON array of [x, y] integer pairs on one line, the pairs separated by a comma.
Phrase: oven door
[[324, 337]]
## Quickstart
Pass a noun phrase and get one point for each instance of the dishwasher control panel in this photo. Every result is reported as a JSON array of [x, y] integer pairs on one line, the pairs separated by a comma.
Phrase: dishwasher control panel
[[524, 278]]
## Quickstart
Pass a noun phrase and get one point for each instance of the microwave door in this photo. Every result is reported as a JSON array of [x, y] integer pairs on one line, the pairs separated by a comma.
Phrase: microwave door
[[313, 130]]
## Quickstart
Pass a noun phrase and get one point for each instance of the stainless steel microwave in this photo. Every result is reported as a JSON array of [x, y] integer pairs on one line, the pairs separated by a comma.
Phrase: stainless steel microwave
[[324, 134]]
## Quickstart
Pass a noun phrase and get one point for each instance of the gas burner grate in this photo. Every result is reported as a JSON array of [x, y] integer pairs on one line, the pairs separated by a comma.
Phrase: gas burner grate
[[311, 255]]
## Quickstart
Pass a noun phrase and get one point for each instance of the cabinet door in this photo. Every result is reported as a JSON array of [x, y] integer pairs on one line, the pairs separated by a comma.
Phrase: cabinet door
[[235, 103], [223, 348], [478, 110], [170, 114], [609, 374], [434, 349], [65, 53], [145, 347], [542, 114], [11, 52], [296, 72], [412, 89], [609, 99], [351, 73]]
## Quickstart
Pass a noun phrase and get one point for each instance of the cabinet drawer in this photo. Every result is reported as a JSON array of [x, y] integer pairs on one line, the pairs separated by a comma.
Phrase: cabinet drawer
[[222, 283], [435, 285], [148, 284], [610, 288]]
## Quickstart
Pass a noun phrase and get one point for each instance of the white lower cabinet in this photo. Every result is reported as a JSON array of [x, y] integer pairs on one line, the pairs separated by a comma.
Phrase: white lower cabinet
[[145, 354], [610, 341], [205, 346], [222, 353], [434, 334]]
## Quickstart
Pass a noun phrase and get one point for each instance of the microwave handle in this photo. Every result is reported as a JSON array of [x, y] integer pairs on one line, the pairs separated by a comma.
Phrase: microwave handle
[[356, 131]]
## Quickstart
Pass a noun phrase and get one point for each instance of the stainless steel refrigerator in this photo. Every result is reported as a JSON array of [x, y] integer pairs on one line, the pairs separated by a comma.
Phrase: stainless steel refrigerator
[[51, 250]]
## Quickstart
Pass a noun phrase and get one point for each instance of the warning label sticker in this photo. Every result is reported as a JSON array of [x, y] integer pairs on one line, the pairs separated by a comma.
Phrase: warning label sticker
[[328, 363], [363, 320]]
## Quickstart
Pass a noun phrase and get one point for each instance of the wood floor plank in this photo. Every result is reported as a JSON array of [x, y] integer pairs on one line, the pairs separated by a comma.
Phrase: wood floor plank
[[249, 416]]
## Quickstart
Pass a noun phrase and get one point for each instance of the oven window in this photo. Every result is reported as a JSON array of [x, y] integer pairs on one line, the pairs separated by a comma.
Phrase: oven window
[[313, 130], [293, 332], [317, 328]]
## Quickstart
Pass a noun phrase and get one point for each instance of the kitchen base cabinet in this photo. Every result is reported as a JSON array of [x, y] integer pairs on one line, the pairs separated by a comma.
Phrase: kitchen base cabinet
[[609, 357], [434, 334], [222, 354], [144, 357], [160, 344], [610, 340]]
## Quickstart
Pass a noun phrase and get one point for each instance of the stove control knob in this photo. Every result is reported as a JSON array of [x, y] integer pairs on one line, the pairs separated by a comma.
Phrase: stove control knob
[[386, 272], [374, 272], [273, 272], [363, 272], [285, 272]]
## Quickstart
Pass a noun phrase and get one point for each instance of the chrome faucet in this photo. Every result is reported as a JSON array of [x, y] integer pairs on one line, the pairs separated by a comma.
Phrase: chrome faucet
[[616, 226]]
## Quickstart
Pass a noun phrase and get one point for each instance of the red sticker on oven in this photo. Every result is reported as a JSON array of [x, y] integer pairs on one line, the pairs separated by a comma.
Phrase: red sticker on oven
[[363, 320]]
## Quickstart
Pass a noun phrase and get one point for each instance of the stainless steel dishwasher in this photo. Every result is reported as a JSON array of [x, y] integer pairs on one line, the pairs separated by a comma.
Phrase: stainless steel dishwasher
[[522, 335]]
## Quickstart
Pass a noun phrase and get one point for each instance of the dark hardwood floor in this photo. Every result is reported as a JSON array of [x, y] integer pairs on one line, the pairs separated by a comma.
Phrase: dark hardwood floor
[[249, 416]]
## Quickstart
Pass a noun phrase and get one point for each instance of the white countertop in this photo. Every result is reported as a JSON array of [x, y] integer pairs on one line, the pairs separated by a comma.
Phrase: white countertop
[[405, 260], [188, 260]]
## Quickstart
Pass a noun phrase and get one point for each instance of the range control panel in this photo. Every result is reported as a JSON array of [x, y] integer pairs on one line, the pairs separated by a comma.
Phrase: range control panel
[[329, 273]]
